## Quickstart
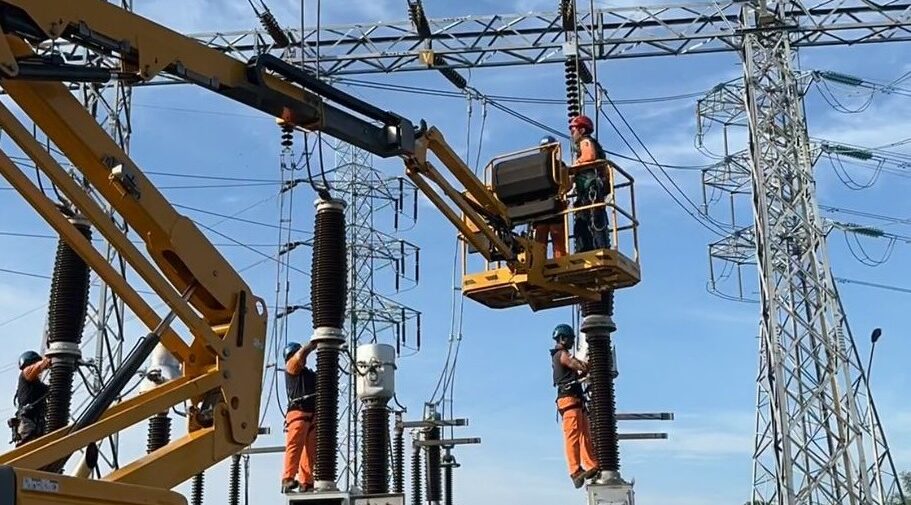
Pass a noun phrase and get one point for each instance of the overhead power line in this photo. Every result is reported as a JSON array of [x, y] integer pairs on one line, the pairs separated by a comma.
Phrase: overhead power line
[[502, 98], [870, 215], [137, 242], [190, 110], [210, 177], [265, 256], [22, 315], [887, 287], [234, 218], [681, 198], [220, 186], [196, 186], [24, 274]]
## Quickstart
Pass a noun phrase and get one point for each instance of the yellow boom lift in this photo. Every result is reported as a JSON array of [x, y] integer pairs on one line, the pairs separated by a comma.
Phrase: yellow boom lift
[[222, 361]]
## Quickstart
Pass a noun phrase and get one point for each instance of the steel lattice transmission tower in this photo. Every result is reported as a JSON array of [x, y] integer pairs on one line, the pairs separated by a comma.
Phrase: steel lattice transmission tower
[[109, 103], [380, 264], [815, 427]]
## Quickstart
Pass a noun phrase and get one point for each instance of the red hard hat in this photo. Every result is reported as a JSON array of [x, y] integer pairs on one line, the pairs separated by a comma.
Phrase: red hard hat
[[582, 122]]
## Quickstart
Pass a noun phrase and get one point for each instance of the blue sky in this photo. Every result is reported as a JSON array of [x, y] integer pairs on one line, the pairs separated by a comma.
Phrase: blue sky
[[680, 348]]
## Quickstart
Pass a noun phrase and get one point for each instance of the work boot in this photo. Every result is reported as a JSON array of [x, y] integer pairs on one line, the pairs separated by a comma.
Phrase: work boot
[[578, 478], [289, 485]]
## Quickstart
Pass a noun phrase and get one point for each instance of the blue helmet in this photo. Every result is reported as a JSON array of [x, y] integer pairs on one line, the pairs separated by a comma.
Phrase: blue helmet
[[547, 141], [564, 333], [291, 349], [28, 358]]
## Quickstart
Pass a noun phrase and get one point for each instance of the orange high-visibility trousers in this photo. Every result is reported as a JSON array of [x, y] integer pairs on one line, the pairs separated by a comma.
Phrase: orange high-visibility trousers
[[557, 235], [576, 435], [300, 447]]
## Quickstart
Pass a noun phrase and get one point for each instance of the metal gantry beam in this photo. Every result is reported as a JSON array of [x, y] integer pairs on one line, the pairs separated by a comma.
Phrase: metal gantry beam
[[534, 38]]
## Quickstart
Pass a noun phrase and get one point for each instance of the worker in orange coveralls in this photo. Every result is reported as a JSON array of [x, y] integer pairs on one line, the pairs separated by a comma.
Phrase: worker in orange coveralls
[[590, 225], [553, 226], [580, 455], [300, 429]]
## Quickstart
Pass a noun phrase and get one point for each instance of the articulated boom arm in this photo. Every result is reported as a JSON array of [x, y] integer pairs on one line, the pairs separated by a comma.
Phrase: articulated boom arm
[[479, 206], [147, 49], [222, 365], [266, 83]]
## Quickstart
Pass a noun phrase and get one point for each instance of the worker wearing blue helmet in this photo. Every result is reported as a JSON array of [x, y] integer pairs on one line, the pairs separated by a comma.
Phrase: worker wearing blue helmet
[[300, 428], [31, 398], [567, 372]]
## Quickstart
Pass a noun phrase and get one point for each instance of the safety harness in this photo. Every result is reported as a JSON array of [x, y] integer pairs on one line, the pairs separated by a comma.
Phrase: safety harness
[[591, 189], [15, 422], [566, 381]]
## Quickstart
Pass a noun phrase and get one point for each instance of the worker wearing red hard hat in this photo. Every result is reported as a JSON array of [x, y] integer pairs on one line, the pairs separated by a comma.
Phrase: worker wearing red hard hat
[[581, 128], [590, 225]]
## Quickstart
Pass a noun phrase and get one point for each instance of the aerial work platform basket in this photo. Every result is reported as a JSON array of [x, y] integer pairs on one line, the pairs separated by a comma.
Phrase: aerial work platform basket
[[536, 278]]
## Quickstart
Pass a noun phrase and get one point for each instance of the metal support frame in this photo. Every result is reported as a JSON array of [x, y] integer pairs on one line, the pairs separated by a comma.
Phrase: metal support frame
[[813, 424], [537, 37], [110, 104], [380, 264], [449, 442], [438, 422]]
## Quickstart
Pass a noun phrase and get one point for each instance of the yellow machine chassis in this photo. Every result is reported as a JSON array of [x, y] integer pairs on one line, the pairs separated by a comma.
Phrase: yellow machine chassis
[[593, 271], [222, 357]]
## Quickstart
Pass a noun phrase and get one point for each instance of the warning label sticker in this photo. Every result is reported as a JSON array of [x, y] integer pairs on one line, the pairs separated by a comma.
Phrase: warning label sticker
[[40, 485]]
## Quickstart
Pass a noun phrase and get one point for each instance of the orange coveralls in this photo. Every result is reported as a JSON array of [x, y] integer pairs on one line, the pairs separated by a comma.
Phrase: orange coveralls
[[557, 233], [576, 432], [577, 437], [300, 437]]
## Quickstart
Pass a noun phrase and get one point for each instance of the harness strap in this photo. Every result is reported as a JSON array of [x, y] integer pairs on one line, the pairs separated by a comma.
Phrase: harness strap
[[579, 405], [32, 405]]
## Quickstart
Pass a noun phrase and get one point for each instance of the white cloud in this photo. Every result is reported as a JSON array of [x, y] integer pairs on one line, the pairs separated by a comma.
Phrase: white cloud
[[724, 314], [698, 443], [885, 121], [703, 437], [197, 15]]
